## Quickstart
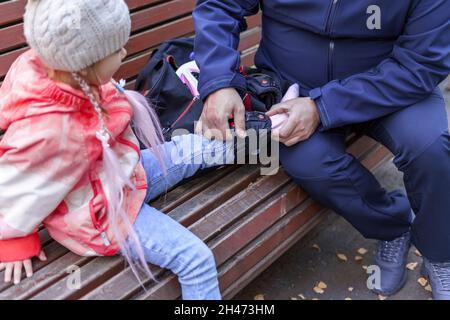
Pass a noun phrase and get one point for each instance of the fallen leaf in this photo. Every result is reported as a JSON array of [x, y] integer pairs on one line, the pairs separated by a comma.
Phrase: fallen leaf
[[315, 299], [302, 297], [351, 289], [362, 251], [422, 281], [342, 257], [318, 290], [364, 267], [412, 266], [358, 258], [417, 253], [316, 246], [428, 288], [348, 298], [294, 298], [322, 285], [381, 297], [259, 297]]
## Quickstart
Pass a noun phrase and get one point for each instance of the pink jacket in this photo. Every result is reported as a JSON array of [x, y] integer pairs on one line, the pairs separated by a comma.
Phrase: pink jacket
[[51, 168]]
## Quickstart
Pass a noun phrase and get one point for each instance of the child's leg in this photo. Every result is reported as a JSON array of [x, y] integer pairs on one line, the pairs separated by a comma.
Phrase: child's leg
[[169, 245], [183, 157]]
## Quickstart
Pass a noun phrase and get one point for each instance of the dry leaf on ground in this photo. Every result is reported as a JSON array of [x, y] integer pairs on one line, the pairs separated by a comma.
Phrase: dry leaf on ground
[[342, 257], [362, 251], [412, 266], [318, 290], [259, 297], [422, 281]]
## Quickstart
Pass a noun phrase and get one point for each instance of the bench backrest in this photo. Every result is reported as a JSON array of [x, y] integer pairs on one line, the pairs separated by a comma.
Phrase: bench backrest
[[153, 21]]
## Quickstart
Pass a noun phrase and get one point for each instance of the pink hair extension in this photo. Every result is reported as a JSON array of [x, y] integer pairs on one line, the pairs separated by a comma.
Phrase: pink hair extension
[[146, 123], [115, 182]]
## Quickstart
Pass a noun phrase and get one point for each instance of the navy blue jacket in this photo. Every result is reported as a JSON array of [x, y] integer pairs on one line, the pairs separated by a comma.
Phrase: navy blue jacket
[[359, 60]]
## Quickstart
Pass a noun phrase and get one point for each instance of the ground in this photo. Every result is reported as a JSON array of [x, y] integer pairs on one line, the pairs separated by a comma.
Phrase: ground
[[314, 259]]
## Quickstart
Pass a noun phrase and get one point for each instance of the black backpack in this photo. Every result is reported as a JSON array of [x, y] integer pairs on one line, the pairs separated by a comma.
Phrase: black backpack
[[174, 103]]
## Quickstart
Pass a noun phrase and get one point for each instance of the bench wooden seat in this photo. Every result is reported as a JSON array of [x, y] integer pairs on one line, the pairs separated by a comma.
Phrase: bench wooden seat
[[248, 220]]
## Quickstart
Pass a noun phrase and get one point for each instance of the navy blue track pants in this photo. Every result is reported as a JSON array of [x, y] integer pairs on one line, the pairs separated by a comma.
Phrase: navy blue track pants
[[418, 137]]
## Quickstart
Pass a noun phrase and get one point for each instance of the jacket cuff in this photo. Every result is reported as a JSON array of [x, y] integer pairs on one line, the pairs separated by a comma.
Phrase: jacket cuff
[[18, 249], [236, 81], [316, 95]]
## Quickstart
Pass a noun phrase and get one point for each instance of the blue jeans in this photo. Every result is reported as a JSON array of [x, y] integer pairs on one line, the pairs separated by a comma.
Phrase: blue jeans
[[419, 139], [165, 242]]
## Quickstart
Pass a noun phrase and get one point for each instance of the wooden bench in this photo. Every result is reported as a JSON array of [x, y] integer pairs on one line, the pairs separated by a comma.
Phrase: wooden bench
[[248, 220]]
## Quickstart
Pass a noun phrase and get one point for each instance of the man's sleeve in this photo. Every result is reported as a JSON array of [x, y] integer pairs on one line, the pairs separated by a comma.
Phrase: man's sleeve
[[218, 26], [419, 61]]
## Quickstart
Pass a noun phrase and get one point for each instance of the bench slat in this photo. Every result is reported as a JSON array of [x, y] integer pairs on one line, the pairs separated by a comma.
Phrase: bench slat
[[12, 11], [168, 201], [237, 207], [264, 250], [92, 273], [221, 191]]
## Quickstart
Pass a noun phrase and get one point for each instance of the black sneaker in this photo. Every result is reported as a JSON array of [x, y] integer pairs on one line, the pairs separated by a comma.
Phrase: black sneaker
[[391, 258], [438, 274]]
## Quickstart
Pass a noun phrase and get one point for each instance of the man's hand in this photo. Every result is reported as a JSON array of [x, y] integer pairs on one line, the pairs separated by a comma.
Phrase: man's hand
[[15, 268], [303, 120], [220, 106]]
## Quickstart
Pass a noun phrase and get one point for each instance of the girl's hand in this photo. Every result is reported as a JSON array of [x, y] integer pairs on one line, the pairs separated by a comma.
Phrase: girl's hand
[[15, 268]]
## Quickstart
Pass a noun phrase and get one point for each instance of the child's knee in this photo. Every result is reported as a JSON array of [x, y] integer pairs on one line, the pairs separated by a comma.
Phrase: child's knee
[[204, 254]]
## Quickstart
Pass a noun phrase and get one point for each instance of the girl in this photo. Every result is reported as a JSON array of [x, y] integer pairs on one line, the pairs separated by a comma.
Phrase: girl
[[70, 160]]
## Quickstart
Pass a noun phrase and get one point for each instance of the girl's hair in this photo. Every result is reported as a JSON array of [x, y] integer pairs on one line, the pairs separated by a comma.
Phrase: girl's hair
[[148, 130]]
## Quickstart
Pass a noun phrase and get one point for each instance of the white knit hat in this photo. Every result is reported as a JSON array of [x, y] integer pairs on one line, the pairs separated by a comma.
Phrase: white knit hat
[[70, 35]]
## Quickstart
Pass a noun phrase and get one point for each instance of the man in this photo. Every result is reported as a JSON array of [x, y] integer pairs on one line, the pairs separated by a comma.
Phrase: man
[[369, 64]]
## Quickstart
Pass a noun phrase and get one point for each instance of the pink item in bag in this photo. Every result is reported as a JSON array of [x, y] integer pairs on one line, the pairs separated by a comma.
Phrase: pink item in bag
[[279, 119], [185, 73]]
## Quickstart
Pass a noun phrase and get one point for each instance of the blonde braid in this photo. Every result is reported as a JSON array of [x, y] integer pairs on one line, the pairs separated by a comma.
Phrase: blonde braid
[[102, 134]]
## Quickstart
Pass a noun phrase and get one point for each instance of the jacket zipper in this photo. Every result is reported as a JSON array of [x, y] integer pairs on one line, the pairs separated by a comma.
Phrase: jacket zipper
[[186, 110], [331, 44], [97, 226]]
